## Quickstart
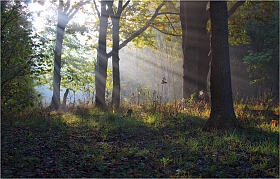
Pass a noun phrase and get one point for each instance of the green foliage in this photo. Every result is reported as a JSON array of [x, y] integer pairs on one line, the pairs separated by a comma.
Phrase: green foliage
[[146, 39], [252, 11], [77, 63], [263, 58], [21, 60], [138, 14], [258, 66]]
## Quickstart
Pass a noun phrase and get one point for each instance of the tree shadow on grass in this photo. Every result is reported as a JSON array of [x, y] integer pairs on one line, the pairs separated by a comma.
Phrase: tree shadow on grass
[[109, 145]]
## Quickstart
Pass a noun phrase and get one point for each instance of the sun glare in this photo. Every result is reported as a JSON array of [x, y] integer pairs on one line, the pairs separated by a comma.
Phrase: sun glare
[[41, 11]]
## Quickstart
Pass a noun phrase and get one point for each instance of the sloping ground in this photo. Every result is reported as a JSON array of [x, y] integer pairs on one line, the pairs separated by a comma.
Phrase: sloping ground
[[146, 145]]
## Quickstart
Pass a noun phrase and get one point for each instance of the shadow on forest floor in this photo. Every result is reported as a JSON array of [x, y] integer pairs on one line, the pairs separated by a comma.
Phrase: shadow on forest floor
[[92, 143]]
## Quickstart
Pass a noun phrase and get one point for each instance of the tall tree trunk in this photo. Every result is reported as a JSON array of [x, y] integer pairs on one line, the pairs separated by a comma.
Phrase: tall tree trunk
[[64, 16], [61, 24], [115, 61], [222, 115], [115, 51], [194, 46], [102, 59]]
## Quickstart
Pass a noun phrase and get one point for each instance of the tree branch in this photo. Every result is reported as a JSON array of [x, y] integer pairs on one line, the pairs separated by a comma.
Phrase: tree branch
[[7, 19], [172, 13], [71, 15], [126, 4], [141, 30], [98, 13], [235, 7], [67, 6], [170, 22], [167, 33], [120, 9], [4, 83], [230, 12]]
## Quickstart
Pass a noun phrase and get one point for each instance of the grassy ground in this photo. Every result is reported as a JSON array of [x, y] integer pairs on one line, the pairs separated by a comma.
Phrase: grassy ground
[[161, 142]]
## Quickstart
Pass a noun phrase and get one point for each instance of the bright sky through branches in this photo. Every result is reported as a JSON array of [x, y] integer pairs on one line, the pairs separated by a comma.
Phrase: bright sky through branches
[[40, 12], [46, 14]]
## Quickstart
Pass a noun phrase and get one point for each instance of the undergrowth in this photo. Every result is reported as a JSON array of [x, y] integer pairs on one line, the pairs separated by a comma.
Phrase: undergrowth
[[155, 141]]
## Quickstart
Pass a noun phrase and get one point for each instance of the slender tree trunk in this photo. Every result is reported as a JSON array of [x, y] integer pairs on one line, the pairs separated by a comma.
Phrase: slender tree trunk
[[102, 59], [115, 61], [222, 115], [61, 24], [115, 51]]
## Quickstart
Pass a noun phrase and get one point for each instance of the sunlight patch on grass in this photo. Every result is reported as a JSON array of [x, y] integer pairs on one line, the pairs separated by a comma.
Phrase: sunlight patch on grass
[[71, 120], [150, 143]]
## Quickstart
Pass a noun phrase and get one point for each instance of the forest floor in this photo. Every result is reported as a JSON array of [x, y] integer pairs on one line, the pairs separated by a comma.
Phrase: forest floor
[[163, 142]]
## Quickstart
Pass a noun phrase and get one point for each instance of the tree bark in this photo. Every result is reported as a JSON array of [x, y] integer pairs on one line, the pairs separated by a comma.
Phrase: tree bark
[[115, 52], [61, 25], [222, 116], [64, 16], [64, 107], [194, 44], [141, 30], [115, 62], [102, 59]]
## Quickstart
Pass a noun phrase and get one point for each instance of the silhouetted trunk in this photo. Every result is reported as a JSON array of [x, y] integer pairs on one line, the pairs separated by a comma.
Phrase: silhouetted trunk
[[102, 58], [222, 115], [65, 97], [64, 107], [115, 51], [61, 25], [65, 14], [194, 44], [115, 61]]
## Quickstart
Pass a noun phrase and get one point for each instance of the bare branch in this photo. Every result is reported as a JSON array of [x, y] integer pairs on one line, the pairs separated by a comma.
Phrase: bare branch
[[126, 4], [170, 22], [230, 12], [119, 11], [67, 6], [98, 13], [121, 7], [141, 30], [77, 8], [172, 13], [235, 7], [167, 33]]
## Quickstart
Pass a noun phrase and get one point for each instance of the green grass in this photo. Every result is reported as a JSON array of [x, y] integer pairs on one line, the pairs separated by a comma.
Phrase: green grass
[[164, 143]]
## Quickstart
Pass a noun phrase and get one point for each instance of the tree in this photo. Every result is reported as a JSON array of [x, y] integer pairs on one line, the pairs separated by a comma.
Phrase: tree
[[222, 114], [115, 17], [195, 44], [65, 14], [102, 58], [139, 37], [21, 60]]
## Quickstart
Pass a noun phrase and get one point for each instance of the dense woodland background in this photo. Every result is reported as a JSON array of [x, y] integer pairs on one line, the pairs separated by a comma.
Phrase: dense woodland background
[[147, 61]]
